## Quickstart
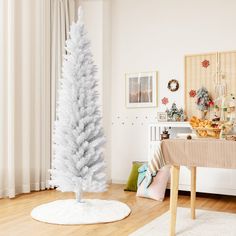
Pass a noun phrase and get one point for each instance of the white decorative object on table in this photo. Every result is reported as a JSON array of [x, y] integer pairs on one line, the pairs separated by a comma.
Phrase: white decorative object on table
[[78, 165]]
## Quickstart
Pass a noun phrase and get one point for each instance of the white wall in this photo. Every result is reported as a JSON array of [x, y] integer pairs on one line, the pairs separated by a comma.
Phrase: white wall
[[146, 35], [152, 35]]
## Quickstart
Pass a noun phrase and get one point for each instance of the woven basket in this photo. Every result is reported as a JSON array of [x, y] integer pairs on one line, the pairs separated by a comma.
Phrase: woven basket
[[231, 137], [207, 132]]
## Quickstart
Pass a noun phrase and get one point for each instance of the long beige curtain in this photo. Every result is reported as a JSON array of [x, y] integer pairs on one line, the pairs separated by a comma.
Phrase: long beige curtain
[[32, 38], [25, 96]]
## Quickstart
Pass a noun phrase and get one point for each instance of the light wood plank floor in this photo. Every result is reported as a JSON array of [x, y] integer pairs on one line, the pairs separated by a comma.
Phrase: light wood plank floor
[[15, 217]]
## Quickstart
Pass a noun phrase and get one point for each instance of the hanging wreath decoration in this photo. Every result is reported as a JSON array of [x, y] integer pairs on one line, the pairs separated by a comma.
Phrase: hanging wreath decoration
[[173, 85]]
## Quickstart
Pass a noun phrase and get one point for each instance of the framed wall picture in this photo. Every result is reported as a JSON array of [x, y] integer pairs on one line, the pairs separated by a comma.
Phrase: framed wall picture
[[141, 89], [161, 116]]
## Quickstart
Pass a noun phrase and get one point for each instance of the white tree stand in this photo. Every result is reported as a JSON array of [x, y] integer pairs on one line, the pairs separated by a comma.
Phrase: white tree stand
[[90, 211]]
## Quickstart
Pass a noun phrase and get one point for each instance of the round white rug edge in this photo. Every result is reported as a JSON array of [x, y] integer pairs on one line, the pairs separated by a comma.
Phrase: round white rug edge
[[91, 211]]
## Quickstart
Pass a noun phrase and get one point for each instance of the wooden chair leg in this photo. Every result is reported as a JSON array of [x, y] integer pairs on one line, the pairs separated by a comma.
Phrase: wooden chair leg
[[193, 192], [174, 198]]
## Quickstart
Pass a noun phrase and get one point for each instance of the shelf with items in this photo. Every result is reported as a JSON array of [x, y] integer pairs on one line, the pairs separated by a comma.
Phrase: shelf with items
[[156, 128]]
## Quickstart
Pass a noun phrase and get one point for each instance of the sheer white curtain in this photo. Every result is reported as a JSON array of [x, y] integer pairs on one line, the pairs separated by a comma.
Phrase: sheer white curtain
[[24, 96]]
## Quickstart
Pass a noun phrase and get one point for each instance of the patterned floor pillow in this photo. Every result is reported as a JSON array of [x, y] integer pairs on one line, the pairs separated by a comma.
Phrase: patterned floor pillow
[[156, 187]]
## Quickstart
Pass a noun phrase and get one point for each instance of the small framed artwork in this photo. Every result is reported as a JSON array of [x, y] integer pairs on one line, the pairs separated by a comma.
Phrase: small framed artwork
[[161, 116], [141, 89]]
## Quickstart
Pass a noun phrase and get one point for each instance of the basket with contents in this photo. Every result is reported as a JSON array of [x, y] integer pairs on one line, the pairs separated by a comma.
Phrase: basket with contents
[[205, 128]]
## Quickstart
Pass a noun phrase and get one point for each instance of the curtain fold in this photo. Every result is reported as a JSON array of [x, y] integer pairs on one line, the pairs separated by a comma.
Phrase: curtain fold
[[25, 96]]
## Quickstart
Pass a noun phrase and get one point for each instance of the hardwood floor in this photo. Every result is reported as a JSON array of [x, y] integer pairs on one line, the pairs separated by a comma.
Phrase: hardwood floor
[[15, 217]]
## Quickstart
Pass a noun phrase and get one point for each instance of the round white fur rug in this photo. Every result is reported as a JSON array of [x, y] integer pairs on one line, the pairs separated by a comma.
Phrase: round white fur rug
[[70, 212]]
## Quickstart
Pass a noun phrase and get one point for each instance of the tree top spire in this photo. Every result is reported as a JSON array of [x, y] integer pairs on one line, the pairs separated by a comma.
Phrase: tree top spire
[[80, 14]]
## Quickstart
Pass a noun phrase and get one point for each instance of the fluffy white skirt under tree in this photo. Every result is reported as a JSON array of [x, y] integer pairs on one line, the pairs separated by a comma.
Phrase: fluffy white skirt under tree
[[89, 211]]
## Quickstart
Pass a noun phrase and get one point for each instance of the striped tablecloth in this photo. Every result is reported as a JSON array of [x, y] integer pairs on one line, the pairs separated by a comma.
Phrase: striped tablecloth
[[213, 153], [156, 158]]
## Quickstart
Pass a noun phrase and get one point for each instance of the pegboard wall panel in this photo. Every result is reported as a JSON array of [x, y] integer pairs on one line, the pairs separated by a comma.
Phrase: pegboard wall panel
[[219, 67], [197, 76], [228, 69]]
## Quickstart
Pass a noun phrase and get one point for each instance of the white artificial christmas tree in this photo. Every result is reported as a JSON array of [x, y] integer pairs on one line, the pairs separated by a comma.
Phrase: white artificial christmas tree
[[78, 164]]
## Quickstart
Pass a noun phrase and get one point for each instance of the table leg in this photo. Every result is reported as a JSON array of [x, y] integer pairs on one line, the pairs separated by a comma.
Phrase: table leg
[[174, 197], [193, 191]]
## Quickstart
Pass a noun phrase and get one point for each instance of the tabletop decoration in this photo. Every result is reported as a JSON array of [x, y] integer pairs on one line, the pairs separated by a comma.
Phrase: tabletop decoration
[[175, 114], [203, 100]]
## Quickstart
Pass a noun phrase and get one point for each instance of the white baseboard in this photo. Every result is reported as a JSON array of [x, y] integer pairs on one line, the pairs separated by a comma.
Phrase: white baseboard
[[118, 181], [186, 187], [203, 189]]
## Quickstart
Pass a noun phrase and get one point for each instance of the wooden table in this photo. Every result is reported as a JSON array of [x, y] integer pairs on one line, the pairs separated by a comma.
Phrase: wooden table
[[194, 153]]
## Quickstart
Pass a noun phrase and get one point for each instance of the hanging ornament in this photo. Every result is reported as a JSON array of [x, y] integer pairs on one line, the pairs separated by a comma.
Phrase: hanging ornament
[[173, 85], [205, 63], [192, 93], [165, 101]]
